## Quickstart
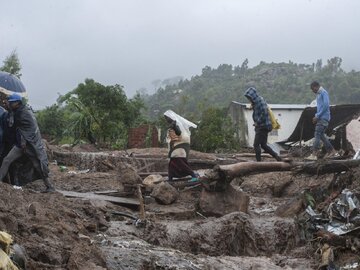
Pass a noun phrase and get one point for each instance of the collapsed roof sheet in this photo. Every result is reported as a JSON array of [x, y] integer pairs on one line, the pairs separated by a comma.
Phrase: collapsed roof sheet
[[340, 114]]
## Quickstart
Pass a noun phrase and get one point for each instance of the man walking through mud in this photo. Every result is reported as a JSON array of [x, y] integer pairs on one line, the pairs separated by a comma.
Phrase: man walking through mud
[[321, 121], [28, 141], [262, 124]]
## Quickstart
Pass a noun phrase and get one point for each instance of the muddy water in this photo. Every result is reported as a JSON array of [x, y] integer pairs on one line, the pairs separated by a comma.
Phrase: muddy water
[[137, 254], [234, 241], [178, 238]]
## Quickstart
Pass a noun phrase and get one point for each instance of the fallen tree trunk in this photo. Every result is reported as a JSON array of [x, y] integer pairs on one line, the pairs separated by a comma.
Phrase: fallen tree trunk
[[246, 168], [221, 175], [320, 167], [252, 155], [326, 166]]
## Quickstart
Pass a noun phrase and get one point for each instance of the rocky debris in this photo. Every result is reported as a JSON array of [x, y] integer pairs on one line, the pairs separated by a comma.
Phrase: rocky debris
[[291, 208], [48, 225], [143, 160], [222, 203], [60, 233], [35, 209], [129, 253], [107, 161], [235, 234], [128, 175], [150, 181], [164, 193]]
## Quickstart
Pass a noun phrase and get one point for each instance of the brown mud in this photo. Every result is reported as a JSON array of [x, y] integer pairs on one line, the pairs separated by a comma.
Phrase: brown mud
[[69, 233]]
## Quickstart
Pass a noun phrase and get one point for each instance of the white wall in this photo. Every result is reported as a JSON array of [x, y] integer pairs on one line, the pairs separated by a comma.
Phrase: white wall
[[353, 131], [288, 119]]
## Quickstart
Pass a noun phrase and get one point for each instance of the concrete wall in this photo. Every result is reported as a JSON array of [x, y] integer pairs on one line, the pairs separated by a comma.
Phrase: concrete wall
[[241, 116], [353, 133], [238, 118]]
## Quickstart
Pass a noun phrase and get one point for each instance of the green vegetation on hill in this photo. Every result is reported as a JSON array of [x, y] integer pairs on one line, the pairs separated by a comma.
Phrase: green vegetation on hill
[[276, 82]]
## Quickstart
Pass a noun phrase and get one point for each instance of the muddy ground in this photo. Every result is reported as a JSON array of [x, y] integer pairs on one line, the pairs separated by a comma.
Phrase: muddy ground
[[69, 233]]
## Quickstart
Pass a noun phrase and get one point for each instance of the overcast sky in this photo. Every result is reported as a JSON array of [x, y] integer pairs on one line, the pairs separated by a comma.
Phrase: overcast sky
[[133, 42]]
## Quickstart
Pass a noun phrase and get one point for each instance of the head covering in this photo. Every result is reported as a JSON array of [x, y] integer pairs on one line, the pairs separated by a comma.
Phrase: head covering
[[14, 97], [260, 115], [182, 123], [251, 94]]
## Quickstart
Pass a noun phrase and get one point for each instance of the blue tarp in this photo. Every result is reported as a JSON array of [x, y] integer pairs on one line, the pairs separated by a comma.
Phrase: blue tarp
[[11, 82]]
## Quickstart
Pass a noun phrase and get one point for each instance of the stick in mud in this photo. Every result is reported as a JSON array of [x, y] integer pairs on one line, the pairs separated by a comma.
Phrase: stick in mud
[[141, 201]]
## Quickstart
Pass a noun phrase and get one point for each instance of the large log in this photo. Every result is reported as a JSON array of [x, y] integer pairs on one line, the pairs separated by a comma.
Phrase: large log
[[245, 168], [225, 173], [220, 176], [325, 166]]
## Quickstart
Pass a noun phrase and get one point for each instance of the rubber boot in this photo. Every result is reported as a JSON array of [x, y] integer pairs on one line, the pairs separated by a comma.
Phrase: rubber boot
[[49, 185]]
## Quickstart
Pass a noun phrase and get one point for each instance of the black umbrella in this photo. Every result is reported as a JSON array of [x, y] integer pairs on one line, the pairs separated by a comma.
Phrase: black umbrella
[[11, 82]]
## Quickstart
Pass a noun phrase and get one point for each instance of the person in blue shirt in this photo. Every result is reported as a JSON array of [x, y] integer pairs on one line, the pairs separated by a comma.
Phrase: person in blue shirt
[[321, 121], [262, 124]]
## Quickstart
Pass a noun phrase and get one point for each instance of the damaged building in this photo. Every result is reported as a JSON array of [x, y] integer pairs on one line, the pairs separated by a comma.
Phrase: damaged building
[[241, 115], [296, 124]]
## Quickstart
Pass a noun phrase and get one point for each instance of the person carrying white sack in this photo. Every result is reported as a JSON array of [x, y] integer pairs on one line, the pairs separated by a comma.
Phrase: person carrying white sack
[[178, 139]]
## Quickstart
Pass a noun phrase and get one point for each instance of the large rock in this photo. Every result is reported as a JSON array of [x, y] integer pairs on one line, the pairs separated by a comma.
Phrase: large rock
[[128, 175], [151, 181], [222, 203], [291, 208], [164, 193]]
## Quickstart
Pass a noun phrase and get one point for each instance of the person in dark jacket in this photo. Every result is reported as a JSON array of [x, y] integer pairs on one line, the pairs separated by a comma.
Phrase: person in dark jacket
[[262, 124], [28, 141], [3, 115]]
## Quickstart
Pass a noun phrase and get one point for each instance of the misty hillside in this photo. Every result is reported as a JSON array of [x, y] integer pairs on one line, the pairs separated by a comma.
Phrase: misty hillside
[[276, 82]]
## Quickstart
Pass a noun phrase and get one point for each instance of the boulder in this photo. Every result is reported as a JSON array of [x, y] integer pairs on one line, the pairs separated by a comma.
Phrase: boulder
[[128, 176], [164, 193], [225, 202], [291, 208], [150, 181]]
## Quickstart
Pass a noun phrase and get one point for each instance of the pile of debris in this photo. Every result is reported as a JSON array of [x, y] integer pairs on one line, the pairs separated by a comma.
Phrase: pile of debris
[[115, 215]]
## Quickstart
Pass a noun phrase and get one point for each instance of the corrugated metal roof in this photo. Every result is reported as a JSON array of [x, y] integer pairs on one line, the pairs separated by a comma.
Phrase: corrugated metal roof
[[276, 106], [340, 114]]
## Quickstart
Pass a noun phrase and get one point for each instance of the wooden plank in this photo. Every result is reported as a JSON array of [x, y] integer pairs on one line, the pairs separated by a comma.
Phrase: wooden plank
[[145, 174], [93, 196], [106, 192], [114, 193]]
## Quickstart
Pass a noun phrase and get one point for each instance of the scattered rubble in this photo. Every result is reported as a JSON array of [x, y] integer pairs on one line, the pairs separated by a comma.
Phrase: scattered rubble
[[272, 220]]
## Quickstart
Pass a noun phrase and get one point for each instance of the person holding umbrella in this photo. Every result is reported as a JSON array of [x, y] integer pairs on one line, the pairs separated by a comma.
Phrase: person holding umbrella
[[9, 84], [28, 141]]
